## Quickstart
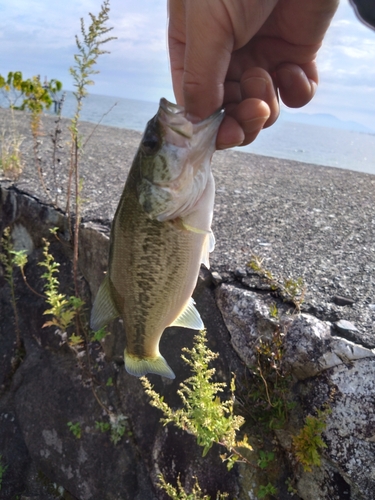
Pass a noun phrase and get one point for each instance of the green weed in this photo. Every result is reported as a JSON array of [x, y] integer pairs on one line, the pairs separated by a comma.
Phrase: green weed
[[265, 458], [264, 491], [178, 493], [265, 396], [274, 312], [290, 290], [117, 427], [89, 49], [10, 155], [290, 484], [63, 308], [99, 335], [75, 429], [308, 443], [203, 414]]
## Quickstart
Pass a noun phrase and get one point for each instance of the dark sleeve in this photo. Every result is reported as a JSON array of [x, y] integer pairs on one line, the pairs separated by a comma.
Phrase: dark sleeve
[[365, 10]]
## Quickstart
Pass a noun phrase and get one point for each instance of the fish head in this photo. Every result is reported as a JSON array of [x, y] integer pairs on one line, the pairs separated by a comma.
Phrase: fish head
[[174, 161]]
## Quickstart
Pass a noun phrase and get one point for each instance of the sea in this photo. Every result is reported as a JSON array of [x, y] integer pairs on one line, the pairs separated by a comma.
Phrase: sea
[[286, 139]]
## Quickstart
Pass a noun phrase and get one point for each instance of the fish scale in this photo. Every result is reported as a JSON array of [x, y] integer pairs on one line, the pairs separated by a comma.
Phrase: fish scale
[[155, 257]]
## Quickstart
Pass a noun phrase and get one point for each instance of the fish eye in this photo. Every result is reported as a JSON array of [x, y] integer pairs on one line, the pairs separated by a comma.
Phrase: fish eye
[[150, 145]]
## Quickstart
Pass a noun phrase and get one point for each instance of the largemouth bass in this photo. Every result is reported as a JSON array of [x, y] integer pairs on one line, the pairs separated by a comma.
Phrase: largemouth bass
[[161, 233]]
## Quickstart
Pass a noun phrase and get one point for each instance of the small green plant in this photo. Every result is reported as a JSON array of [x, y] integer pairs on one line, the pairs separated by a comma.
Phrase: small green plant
[[265, 458], [308, 443], [117, 426], [266, 490], [274, 312], [63, 309], [290, 290], [99, 335], [290, 484], [103, 426], [10, 259], [75, 429], [10, 155], [265, 397], [178, 493], [3, 469], [89, 49], [203, 414], [36, 98]]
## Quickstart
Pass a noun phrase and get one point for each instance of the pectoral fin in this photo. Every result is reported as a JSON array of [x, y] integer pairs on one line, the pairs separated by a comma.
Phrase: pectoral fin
[[103, 310], [189, 318], [208, 247]]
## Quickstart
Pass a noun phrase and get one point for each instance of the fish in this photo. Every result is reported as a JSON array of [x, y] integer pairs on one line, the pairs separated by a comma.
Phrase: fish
[[160, 235]]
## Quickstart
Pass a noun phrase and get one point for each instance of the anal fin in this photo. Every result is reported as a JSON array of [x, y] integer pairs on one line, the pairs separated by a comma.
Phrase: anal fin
[[189, 318]]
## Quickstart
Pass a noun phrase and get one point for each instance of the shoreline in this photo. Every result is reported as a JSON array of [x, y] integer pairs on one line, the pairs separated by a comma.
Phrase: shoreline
[[304, 220], [306, 143]]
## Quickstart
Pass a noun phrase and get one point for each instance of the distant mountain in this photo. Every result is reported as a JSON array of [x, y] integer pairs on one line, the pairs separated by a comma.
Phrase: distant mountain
[[325, 120]]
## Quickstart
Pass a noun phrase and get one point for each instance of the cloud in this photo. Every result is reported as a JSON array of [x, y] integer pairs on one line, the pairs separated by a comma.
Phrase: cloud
[[38, 37], [348, 53]]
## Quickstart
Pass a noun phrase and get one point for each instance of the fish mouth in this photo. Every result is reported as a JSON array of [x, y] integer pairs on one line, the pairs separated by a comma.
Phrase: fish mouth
[[170, 108], [174, 117]]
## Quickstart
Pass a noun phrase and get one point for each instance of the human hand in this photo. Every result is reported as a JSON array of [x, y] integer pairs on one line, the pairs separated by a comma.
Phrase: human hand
[[240, 54]]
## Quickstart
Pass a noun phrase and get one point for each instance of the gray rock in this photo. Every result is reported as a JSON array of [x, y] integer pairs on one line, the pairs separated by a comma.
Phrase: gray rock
[[247, 319], [310, 348], [349, 435], [332, 371]]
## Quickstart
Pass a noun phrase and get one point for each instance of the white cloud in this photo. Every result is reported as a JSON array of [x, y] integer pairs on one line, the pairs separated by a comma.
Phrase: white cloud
[[37, 37], [347, 58]]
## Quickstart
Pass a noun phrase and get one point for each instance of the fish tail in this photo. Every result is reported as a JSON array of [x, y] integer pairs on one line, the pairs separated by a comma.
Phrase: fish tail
[[141, 366]]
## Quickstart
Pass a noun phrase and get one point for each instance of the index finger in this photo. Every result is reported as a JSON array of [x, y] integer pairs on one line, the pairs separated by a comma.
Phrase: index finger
[[209, 45], [213, 30]]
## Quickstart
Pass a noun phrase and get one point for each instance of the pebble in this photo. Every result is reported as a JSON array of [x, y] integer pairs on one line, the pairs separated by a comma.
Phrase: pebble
[[240, 273], [342, 301], [216, 278], [345, 326]]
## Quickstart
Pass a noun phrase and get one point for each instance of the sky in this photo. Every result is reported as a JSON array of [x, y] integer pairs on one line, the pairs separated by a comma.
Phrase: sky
[[38, 37]]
